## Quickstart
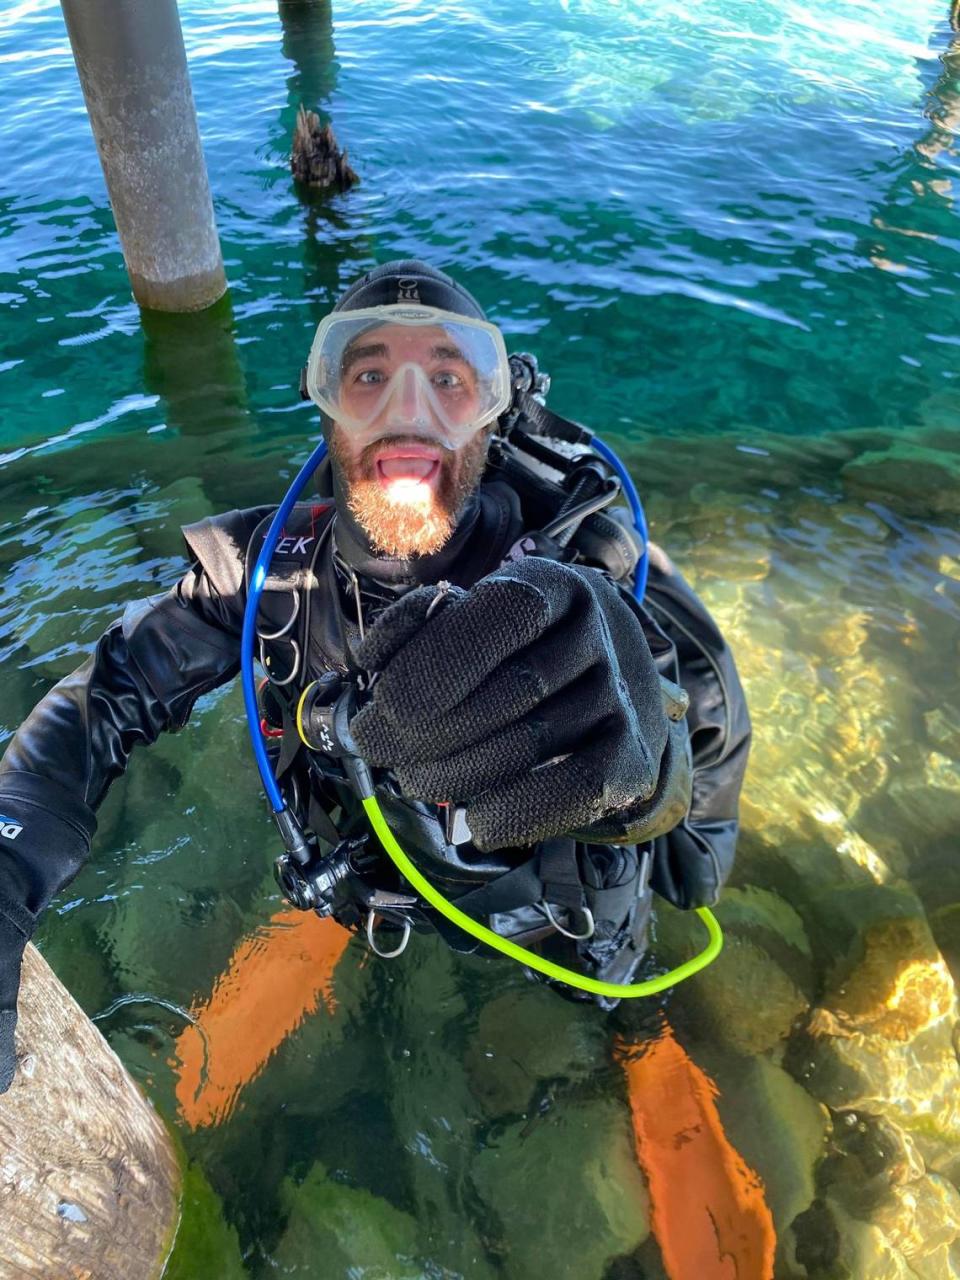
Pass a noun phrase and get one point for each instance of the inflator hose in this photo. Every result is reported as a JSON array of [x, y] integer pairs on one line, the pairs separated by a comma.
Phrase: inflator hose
[[569, 976]]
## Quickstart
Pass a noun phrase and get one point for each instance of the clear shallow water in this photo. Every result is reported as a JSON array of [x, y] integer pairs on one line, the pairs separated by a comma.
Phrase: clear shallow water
[[731, 237]]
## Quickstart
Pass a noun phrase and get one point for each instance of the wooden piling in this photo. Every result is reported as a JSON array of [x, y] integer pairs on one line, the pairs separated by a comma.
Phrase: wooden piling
[[89, 1183]]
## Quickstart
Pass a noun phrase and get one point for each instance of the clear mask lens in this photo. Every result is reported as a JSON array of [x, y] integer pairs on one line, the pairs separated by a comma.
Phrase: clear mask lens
[[412, 370]]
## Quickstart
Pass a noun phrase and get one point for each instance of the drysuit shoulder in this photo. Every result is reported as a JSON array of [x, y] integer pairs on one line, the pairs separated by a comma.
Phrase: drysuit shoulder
[[219, 545]]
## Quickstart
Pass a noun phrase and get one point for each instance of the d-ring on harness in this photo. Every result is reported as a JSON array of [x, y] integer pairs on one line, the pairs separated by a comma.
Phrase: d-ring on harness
[[356, 769]]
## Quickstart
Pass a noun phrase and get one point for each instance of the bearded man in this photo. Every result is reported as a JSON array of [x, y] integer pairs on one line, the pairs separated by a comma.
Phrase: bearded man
[[525, 718]]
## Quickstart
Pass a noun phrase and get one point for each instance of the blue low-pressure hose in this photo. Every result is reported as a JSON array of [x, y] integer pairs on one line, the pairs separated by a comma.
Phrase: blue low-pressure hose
[[249, 634], [636, 508]]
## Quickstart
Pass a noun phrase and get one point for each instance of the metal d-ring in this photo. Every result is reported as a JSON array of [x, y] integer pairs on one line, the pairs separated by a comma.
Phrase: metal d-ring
[[387, 955], [443, 590], [577, 937]]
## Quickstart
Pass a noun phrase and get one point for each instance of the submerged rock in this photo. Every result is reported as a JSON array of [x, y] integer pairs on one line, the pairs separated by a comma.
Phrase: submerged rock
[[913, 475], [897, 986], [338, 1230], [883, 1038], [779, 1130], [527, 1037], [745, 999], [564, 1192], [829, 1243], [912, 1234], [205, 1245], [749, 999]]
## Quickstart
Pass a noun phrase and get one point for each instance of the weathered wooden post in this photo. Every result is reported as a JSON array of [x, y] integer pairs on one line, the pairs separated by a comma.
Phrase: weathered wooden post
[[89, 1185], [133, 71]]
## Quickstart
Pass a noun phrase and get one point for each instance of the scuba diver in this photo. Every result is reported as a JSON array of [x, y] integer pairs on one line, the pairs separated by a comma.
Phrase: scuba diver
[[450, 632]]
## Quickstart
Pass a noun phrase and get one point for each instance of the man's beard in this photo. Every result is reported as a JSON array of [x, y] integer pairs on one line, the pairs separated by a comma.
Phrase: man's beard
[[405, 529]]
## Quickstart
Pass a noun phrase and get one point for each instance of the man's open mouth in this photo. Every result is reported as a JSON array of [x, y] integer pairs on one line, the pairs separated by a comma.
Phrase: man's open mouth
[[415, 464]]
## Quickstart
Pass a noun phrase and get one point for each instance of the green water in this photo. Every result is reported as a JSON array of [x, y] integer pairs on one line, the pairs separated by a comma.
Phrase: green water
[[730, 234]]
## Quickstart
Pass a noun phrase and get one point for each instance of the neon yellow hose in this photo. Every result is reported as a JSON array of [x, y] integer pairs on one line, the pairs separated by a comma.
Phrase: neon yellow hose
[[483, 934]]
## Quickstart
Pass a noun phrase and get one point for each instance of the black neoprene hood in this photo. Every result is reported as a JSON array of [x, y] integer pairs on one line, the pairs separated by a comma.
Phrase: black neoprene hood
[[410, 280]]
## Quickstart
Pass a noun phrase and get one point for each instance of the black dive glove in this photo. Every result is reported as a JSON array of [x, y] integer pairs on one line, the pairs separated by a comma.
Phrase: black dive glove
[[533, 700]]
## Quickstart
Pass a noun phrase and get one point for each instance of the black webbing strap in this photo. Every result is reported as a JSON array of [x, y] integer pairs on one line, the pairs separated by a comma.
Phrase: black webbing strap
[[560, 873], [320, 822], [290, 744], [549, 423], [614, 904], [519, 887]]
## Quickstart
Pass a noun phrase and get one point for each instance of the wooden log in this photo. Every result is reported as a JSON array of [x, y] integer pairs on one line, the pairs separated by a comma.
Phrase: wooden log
[[89, 1183]]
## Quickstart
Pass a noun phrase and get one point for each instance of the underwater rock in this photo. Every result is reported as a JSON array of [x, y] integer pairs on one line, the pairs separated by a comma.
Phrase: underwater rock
[[868, 1156], [779, 1130], [911, 1234], [433, 1113], [205, 1245], [945, 927], [750, 997], [316, 160], [745, 999], [824, 710], [913, 476], [913, 1083], [338, 1230], [564, 1192], [525, 1038], [773, 924], [883, 1038], [829, 1243], [943, 729], [941, 772], [898, 984]]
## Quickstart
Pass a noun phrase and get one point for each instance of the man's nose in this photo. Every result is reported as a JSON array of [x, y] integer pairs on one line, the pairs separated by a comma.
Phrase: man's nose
[[411, 399]]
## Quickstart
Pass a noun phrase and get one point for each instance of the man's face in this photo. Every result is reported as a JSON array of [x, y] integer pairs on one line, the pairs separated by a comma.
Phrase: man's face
[[406, 489]]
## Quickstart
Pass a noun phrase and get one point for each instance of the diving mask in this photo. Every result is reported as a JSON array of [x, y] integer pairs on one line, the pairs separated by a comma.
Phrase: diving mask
[[411, 370]]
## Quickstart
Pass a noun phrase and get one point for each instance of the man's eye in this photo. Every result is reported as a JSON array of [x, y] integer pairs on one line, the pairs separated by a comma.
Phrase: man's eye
[[448, 379], [369, 377]]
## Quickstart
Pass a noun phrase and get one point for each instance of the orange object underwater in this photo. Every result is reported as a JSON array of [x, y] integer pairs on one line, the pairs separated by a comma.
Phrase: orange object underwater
[[276, 977], [709, 1216]]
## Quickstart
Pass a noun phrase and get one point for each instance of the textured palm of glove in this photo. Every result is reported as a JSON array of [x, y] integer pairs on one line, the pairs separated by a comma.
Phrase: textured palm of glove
[[532, 699], [12, 944]]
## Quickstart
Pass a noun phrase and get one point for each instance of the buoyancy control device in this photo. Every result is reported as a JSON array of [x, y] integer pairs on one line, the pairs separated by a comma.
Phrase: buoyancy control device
[[567, 482]]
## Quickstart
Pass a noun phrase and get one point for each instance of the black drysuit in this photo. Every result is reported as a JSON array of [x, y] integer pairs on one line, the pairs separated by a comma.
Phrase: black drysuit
[[151, 666]]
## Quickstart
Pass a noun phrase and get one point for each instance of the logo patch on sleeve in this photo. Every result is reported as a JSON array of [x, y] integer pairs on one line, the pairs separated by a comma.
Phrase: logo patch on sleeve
[[9, 828]]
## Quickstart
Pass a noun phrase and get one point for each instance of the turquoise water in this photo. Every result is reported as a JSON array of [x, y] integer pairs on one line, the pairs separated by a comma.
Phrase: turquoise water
[[730, 234]]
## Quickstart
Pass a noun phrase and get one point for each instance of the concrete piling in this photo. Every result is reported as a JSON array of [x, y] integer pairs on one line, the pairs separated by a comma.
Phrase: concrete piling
[[133, 71]]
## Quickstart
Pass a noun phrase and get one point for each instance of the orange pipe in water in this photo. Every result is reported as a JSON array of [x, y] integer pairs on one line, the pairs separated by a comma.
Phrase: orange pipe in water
[[709, 1215], [276, 977]]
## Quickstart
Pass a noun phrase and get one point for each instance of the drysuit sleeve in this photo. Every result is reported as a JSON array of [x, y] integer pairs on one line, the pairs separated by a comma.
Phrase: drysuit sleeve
[[146, 673], [693, 860]]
